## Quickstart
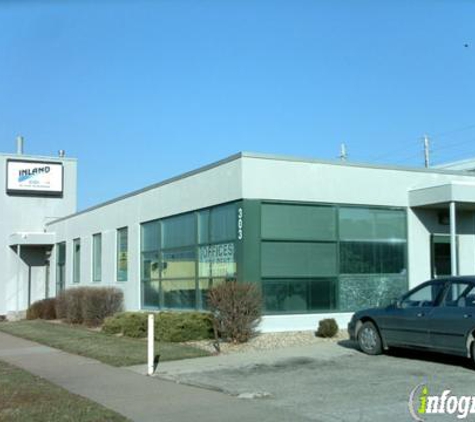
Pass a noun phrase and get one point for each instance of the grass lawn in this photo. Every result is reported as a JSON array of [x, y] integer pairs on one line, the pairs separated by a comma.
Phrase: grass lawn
[[25, 397], [110, 349]]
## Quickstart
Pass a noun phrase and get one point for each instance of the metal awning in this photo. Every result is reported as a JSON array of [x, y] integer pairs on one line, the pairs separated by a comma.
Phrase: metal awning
[[32, 239], [454, 196], [440, 196]]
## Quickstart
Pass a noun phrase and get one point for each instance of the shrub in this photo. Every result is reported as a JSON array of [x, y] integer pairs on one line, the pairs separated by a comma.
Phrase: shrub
[[34, 311], [89, 305], [42, 309], [130, 324], [237, 310], [327, 328], [183, 326], [99, 303], [61, 306], [169, 326], [49, 309], [74, 305]]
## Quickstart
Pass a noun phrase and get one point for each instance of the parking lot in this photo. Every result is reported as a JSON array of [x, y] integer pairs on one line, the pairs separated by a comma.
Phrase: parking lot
[[331, 381]]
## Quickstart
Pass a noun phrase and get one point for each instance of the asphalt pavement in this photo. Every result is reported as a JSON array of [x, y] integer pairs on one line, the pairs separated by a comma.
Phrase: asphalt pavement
[[320, 382], [330, 381]]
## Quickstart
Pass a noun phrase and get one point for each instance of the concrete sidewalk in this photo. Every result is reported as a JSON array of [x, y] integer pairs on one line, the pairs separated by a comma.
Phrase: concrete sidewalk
[[133, 395]]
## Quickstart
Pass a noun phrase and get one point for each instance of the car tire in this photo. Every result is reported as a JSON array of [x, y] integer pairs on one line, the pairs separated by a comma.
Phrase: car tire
[[369, 339]]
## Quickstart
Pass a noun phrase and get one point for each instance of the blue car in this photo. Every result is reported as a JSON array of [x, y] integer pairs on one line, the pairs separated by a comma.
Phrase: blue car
[[438, 315]]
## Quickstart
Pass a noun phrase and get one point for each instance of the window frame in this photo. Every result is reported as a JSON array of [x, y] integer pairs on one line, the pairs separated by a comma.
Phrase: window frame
[[76, 261], [93, 258], [118, 251]]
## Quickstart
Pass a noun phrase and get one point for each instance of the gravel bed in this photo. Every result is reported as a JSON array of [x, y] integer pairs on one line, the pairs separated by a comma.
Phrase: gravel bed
[[268, 341]]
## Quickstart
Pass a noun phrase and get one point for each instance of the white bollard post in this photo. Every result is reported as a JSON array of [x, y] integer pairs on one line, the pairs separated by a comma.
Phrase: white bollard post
[[151, 343]]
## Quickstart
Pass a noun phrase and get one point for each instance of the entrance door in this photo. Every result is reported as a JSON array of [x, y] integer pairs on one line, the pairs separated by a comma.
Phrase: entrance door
[[441, 257]]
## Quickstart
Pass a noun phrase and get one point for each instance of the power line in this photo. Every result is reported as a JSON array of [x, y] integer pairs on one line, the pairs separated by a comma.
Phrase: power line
[[435, 139], [451, 132], [456, 144], [456, 156]]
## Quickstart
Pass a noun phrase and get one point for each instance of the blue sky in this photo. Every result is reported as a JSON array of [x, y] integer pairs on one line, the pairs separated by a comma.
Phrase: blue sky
[[140, 91]]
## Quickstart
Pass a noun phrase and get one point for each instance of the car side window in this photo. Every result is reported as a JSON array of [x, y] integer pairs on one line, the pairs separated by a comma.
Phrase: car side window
[[425, 296], [459, 294]]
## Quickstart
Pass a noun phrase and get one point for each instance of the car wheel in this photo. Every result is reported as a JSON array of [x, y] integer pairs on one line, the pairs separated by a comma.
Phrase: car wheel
[[369, 339], [473, 352]]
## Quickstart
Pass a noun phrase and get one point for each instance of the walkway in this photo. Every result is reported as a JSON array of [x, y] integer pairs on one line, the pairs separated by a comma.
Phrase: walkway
[[133, 395]]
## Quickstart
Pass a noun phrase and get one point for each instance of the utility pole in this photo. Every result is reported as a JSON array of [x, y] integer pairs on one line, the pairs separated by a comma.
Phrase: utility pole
[[426, 151], [343, 153]]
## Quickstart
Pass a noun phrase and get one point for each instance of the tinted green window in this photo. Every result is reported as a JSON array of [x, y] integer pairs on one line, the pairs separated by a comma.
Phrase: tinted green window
[[203, 226], [178, 231], [223, 221], [150, 266], [60, 266], [151, 236], [292, 259], [179, 294], [299, 296], [204, 284], [76, 260], [359, 291], [372, 257], [151, 294], [97, 257], [298, 222], [122, 254], [372, 224], [61, 255], [217, 260], [179, 263]]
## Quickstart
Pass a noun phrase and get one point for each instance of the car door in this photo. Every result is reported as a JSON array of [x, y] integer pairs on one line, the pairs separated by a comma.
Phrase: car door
[[408, 323], [454, 318]]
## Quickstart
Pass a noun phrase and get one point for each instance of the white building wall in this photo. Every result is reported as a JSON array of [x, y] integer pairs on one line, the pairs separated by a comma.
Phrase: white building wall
[[23, 214], [213, 186], [260, 177]]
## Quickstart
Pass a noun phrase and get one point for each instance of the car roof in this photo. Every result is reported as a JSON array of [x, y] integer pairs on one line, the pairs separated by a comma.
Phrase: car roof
[[469, 278]]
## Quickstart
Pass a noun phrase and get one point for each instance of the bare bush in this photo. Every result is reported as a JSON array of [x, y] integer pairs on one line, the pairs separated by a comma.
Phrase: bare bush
[[99, 303], [42, 309], [237, 308], [89, 305]]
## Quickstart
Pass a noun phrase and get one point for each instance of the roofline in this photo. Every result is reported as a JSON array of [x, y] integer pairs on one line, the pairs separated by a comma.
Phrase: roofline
[[36, 157], [261, 156], [355, 164], [150, 187], [459, 163]]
